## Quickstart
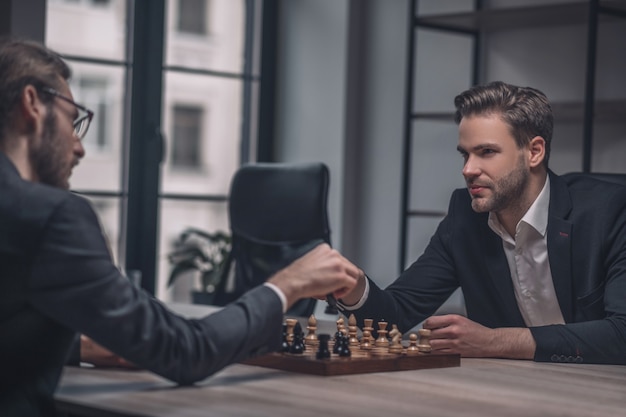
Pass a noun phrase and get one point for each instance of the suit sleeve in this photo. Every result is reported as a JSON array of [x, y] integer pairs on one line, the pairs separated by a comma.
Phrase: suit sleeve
[[75, 282], [420, 289], [601, 337]]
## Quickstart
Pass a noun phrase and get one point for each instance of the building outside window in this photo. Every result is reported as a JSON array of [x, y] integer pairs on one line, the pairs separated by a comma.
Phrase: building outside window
[[198, 73], [187, 137], [92, 92], [192, 16]]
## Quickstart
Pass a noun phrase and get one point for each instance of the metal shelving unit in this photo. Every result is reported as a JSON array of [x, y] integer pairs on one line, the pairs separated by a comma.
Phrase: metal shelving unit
[[484, 22]]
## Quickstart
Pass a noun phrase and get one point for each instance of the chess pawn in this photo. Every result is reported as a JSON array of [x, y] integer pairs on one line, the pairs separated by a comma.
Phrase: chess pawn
[[382, 340], [424, 341], [412, 350], [352, 331], [311, 337]]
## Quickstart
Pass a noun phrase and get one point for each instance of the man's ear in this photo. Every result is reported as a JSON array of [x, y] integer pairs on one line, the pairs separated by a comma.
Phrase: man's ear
[[32, 110], [537, 151]]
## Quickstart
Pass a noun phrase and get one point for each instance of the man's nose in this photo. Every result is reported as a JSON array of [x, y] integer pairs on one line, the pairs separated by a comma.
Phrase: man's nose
[[470, 168], [79, 149]]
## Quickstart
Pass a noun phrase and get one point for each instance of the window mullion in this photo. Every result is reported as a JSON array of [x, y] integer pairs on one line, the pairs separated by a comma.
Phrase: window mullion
[[146, 141]]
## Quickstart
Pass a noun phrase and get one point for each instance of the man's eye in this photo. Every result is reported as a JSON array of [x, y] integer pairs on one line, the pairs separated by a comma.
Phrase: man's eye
[[487, 151]]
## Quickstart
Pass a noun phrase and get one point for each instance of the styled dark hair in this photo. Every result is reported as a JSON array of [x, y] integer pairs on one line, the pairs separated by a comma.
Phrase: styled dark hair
[[526, 110], [25, 63]]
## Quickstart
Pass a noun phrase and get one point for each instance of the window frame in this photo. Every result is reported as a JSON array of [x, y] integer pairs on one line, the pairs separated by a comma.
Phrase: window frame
[[144, 145]]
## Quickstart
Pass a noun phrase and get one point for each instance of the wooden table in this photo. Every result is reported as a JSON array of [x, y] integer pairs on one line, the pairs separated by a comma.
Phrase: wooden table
[[479, 387]]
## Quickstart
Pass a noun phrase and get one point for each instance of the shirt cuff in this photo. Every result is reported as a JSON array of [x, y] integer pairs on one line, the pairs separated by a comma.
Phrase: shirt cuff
[[362, 301], [279, 293]]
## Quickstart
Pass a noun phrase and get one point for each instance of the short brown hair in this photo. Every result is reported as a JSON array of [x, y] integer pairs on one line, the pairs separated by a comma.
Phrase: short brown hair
[[526, 110], [25, 63]]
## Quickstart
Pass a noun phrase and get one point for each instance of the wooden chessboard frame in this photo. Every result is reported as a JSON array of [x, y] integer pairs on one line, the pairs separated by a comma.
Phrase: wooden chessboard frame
[[336, 365]]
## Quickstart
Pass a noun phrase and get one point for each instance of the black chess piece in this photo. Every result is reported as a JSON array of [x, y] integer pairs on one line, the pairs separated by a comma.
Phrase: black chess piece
[[331, 305], [297, 330], [337, 339], [344, 347], [285, 345], [337, 343], [322, 350], [297, 346]]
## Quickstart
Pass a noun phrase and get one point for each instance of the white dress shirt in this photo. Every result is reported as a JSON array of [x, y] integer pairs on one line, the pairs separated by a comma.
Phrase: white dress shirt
[[527, 256]]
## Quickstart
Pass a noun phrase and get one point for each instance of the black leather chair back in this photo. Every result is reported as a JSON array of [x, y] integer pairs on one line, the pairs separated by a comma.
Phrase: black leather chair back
[[278, 212]]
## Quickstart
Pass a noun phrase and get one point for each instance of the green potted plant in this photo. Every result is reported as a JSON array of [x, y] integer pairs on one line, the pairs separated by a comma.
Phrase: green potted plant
[[202, 254]]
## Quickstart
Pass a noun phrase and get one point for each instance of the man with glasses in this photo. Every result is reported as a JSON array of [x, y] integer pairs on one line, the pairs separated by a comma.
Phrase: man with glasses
[[57, 277], [82, 121]]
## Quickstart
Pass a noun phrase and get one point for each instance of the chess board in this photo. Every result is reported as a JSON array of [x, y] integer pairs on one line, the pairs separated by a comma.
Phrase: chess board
[[366, 355], [356, 364]]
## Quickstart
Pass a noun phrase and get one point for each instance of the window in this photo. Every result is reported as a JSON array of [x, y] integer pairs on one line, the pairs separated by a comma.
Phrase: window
[[92, 92], [186, 149], [152, 108], [192, 16], [89, 2]]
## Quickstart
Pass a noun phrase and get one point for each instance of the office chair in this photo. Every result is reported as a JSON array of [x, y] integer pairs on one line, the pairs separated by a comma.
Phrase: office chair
[[278, 212]]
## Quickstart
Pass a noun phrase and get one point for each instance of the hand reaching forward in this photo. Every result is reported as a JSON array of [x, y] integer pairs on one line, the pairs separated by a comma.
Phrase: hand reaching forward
[[320, 271], [457, 334], [93, 353]]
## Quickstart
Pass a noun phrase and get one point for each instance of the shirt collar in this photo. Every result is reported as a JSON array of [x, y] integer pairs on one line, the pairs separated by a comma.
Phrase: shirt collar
[[536, 216]]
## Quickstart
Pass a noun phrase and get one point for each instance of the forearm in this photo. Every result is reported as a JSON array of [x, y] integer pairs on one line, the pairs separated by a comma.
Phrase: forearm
[[512, 343], [453, 333]]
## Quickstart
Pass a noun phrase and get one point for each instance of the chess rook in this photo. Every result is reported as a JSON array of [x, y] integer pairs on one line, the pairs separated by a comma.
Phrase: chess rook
[[424, 341]]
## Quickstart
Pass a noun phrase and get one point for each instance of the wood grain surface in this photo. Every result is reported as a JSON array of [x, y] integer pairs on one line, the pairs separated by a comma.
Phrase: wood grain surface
[[479, 387]]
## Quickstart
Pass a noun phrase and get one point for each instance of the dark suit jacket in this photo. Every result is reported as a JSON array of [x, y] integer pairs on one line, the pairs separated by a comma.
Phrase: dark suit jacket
[[587, 254], [57, 278]]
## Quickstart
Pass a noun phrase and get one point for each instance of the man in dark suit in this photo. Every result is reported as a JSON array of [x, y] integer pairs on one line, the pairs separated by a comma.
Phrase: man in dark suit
[[541, 259], [57, 277]]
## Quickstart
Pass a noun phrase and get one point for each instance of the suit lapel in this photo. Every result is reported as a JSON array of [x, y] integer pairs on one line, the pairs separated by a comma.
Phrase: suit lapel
[[559, 244]]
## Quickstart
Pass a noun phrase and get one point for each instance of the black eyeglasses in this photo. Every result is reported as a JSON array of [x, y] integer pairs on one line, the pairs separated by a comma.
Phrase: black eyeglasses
[[81, 124]]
